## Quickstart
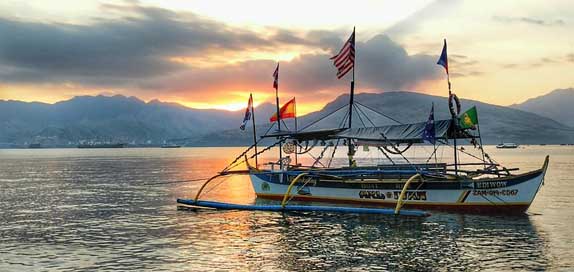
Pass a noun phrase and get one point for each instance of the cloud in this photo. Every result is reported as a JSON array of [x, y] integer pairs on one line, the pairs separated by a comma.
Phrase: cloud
[[381, 65], [132, 52], [540, 62], [436, 9], [528, 20], [113, 50]]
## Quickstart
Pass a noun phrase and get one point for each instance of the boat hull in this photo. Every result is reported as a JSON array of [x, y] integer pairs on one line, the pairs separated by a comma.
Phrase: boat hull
[[512, 194]]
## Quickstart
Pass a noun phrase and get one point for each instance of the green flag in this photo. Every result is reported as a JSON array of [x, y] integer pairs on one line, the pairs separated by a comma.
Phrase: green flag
[[469, 118]]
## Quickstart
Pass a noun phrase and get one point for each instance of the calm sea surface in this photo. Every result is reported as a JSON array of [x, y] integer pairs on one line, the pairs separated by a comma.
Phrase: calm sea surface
[[114, 209]]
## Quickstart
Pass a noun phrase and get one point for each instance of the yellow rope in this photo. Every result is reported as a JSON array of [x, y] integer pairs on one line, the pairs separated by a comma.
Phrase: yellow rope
[[404, 191], [290, 187]]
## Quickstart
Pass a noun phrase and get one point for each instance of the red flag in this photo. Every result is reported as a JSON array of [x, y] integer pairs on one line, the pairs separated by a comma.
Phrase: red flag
[[276, 77], [345, 60], [287, 111]]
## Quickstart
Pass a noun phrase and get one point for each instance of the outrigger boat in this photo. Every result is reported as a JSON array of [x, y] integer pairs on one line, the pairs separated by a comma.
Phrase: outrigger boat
[[483, 186]]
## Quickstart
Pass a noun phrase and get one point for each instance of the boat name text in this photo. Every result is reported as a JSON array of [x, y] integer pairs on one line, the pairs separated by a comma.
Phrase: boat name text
[[418, 195], [488, 185]]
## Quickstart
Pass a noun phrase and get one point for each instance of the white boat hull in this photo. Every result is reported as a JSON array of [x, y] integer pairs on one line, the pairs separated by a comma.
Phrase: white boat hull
[[508, 194]]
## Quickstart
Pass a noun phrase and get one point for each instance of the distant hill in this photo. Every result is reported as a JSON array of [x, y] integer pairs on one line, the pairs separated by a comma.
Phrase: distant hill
[[558, 105], [497, 123], [128, 119], [104, 118]]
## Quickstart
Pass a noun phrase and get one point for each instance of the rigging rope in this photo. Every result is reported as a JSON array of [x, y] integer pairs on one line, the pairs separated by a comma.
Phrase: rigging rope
[[318, 159], [345, 117], [307, 149], [175, 181], [386, 155], [401, 153], [396, 151], [333, 154], [366, 116], [359, 115], [380, 113], [228, 167], [236, 163], [329, 114]]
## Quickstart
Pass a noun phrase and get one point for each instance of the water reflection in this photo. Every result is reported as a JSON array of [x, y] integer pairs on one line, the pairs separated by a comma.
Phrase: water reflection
[[77, 210]]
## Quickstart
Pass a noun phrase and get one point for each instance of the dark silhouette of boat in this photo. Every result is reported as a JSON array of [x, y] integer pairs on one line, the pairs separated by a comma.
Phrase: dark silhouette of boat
[[102, 145], [170, 146]]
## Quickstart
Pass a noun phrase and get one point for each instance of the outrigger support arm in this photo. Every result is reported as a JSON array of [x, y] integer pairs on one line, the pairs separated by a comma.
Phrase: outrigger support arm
[[404, 191], [205, 184], [286, 195]]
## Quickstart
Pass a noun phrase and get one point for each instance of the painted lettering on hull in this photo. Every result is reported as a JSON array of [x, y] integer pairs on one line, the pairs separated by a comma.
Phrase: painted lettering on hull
[[489, 185], [371, 194], [495, 192]]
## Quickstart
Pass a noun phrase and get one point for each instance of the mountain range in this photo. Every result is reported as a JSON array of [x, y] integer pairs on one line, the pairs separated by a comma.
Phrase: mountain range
[[128, 119], [557, 105]]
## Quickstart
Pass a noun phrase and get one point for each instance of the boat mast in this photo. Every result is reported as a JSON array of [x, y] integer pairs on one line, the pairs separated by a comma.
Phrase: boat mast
[[455, 125], [351, 151], [443, 61], [254, 133], [295, 105], [276, 85]]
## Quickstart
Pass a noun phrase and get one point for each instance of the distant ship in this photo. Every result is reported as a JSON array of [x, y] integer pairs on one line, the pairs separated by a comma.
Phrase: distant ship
[[507, 145], [35, 146], [170, 146], [102, 145]]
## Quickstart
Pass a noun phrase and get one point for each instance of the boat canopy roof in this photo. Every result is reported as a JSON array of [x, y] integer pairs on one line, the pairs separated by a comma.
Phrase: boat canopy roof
[[403, 133]]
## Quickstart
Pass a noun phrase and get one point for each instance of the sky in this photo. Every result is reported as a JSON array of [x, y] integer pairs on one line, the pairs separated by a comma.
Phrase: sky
[[213, 53]]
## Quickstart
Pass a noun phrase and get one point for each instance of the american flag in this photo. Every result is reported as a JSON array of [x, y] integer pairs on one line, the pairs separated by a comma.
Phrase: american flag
[[345, 60], [276, 77]]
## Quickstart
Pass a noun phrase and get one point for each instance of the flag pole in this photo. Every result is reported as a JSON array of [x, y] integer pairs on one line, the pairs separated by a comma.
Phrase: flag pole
[[279, 119], [254, 133], [296, 131], [453, 117], [434, 142], [480, 139], [350, 152]]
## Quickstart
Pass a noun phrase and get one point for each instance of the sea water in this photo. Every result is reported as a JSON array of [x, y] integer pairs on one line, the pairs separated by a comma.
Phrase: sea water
[[114, 209]]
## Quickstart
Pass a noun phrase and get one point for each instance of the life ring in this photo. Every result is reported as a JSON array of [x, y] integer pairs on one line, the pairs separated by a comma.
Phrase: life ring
[[451, 105]]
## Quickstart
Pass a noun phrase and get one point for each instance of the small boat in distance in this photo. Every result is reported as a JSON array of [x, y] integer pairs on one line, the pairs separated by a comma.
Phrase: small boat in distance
[[102, 145], [507, 145], [170, 146], [36, 145]]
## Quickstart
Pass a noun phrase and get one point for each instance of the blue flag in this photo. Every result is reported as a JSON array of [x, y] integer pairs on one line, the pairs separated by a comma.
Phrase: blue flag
[[247, 116], [443, 60], [429, 132]]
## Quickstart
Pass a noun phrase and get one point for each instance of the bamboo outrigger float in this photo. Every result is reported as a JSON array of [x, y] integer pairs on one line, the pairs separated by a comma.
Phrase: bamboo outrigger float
[[483, 186]]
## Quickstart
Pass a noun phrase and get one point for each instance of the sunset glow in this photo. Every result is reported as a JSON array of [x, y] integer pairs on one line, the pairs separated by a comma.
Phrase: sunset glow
[[203, 56]]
